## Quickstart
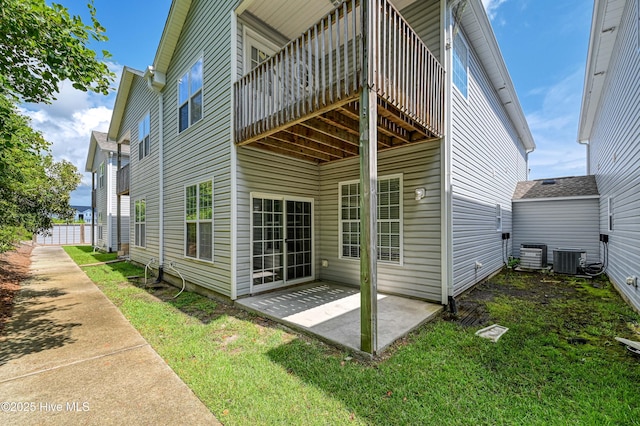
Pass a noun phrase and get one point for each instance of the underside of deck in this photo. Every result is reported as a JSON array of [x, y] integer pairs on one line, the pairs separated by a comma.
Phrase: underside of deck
[[334, 134]]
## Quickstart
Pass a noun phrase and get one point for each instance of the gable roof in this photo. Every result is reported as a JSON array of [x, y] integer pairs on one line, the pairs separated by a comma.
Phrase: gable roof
[[563, 187], [81, 209], [128, 75], [100, 140], [480, 35], [605, 24], [170, 34]]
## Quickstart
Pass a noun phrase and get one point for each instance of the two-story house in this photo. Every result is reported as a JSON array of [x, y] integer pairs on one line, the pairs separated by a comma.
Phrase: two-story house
[[102, 163], [373, 143]]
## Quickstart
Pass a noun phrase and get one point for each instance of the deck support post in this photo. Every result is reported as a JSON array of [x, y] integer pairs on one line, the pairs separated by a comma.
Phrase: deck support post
[[368, 188]]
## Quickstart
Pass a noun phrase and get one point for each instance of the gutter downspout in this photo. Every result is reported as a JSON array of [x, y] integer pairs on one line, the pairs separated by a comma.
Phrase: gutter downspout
[[446, 234], [93, 209], [161, 185], [109, 189], [588, 146], [234, 166], [527, 152], [156, 82]]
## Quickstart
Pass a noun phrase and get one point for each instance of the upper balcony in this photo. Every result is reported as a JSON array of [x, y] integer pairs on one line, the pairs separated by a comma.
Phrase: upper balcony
[[122, 180], [303, 101]]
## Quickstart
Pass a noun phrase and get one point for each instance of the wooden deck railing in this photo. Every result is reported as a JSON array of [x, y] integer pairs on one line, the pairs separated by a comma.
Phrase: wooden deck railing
[[405, 72], [122, 180], [322, 68]]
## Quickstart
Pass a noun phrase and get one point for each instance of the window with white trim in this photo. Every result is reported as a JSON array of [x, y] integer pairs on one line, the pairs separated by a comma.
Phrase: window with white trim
[[389, 235], [498, 217], [140, 223], [190, 97], [610, 214], [100, 227], [257, 49], [143, 136], [101, 175], [199, 221], [460, 64]]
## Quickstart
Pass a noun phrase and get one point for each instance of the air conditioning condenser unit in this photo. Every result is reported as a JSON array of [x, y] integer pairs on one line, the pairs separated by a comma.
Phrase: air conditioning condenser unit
[[531, 258], [569, 260]]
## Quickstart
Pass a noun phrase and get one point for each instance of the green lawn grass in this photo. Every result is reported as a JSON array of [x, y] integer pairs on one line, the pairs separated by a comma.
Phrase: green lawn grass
[[85, 255], [558, 364]]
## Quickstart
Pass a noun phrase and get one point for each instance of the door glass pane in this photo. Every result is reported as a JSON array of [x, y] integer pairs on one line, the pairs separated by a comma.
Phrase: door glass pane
[[298, 239], [267, 241]]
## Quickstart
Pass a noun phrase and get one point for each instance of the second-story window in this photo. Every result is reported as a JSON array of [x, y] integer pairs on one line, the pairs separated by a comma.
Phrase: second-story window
[[460, 64], [101, 176], [190, 97], [143, 137]]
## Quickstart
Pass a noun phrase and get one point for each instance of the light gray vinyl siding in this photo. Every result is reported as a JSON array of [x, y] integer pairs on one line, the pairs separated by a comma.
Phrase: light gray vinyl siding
[[615, 156], [259, 171], [201, 152], [144, 174], [487, 161], [419, 276], [558, 223], [424, 18]]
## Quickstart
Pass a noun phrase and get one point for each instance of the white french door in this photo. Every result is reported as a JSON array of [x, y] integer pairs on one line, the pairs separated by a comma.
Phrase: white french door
[[281, 241]]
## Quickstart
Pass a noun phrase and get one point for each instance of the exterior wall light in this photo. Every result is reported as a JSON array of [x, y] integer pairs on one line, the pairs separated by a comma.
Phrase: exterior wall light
[[420, 193]]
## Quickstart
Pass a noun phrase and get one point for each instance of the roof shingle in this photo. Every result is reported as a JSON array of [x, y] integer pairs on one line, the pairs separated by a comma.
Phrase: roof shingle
[[574, 186]]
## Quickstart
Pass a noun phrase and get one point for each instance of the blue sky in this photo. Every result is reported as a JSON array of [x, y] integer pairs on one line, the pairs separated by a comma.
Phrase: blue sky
[[544, 44]]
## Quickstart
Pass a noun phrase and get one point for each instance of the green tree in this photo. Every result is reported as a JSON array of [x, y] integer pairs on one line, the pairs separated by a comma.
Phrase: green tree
[[40, 46]]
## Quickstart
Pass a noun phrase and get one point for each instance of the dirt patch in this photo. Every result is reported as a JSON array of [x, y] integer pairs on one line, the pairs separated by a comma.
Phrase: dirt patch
[[14, 268], [534, 287]]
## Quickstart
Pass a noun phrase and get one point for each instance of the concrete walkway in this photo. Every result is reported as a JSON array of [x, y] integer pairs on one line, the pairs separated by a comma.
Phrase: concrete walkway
[[68, 356]]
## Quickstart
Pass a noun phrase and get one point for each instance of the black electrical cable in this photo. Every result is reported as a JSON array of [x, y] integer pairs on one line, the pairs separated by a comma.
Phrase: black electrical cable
[[598, 268]]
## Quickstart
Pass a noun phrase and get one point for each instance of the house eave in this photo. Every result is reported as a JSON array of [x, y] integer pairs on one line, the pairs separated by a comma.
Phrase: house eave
[[122, 95], [486, 46], [171, 34], [607, 15], [580, 197]]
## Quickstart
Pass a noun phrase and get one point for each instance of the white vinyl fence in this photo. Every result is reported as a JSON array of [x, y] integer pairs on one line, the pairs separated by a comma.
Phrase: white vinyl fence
[[60, 235]]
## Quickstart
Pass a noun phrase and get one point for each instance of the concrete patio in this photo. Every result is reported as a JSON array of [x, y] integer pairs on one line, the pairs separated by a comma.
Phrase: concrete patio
[[332, 312]]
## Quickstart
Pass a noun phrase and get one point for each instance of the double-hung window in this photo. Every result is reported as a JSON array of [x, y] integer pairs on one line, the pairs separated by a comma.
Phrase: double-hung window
[[141, 223], [498, 217], [199, 221], [101, 175], [460, 64], [389, 235], [190, 97], [609, 214], [143, 136]]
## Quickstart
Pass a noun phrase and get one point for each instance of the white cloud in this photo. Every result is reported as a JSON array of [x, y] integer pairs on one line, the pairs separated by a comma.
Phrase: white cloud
[[67, 123], [555, 127], [491, 6]]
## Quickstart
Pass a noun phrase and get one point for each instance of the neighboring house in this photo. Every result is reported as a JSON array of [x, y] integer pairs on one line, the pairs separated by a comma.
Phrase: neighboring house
[[82, 214], [610, 128], [102, 162], [245, 152], [559, 213]]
